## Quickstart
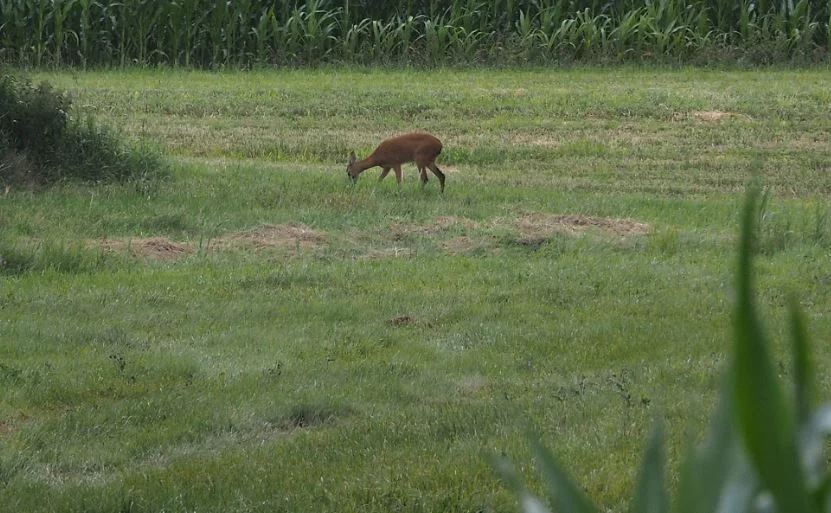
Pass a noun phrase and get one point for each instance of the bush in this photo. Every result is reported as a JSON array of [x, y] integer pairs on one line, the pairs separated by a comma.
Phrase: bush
[[41, 144], [761, 454]]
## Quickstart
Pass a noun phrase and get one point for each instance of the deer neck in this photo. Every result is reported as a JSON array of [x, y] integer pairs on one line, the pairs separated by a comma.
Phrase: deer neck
[[363, 165]]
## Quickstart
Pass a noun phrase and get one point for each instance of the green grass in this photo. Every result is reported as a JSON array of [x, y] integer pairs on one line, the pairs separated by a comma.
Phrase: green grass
[[256, 335]]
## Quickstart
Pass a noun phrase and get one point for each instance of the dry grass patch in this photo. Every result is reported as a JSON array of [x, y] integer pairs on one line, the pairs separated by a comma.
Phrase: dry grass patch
[[271, 236], [537, 227], [473, 237], [292, 236], [401, 321], [441, 224], [393, 252], [474, 386], [546, 142], [465, 245], [718, 115], [454, 235], [6, 429], [153, 248]]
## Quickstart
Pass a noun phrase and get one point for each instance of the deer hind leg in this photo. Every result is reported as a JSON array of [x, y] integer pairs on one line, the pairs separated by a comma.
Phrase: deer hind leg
[[384, 172], [436, 171]]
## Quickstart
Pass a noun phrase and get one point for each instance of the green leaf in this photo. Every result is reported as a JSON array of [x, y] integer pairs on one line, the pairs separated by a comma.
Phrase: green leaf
[[528, 503], [803, 371], [740, 488], [564, 494], [651, 496], [812, 441], [764, 423], [716, 477]]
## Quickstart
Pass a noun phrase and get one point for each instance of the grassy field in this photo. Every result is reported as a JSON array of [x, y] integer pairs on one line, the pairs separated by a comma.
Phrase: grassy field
[[254, 334]]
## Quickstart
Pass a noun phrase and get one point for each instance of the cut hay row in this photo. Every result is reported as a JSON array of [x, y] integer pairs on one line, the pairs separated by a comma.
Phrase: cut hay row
[[296, 239]]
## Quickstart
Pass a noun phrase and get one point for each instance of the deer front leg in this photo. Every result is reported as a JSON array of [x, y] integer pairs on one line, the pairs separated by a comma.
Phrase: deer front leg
[[422, 176]]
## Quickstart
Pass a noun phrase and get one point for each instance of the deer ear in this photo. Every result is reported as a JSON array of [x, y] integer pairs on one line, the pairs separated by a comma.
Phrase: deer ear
[[352, 158]]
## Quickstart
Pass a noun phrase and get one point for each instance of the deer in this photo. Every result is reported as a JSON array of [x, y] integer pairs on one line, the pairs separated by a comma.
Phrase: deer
[[419, 147]]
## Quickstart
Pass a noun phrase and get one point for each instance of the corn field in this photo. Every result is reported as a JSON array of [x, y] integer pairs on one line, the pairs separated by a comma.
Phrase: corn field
[[250, 33]]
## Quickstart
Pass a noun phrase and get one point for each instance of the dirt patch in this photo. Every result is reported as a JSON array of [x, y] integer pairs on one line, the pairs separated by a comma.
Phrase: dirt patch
[[401, 321], [474, 386], [539, 225], [546, 142], [718, 115], [288, 235], [393, 252], [307, 416], [399, 231], [153, 248], [464, 245], [6, 429], [445, 223]]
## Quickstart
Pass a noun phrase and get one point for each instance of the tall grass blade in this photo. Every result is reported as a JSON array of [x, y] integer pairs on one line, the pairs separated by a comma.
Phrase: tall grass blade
[[765, 425], [803, 371], [564, 494], [716, 477], [815, 424], [651, 495], [528, 503]]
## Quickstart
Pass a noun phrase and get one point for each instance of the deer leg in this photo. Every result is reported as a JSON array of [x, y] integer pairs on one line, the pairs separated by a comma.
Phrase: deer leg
[[384, 172], [422, 176], [397, 170], [436, 171]]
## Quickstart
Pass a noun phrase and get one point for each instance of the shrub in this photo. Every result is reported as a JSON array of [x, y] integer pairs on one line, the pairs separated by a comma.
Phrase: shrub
[[761, 453], [41, 144]]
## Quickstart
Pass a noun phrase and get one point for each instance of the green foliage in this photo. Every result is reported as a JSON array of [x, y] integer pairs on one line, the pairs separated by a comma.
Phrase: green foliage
[[41, 144], [214, 34], [16, 259], [759, 453]]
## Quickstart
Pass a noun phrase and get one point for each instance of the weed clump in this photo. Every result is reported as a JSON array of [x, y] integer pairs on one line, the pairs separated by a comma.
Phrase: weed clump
[[41, 144]]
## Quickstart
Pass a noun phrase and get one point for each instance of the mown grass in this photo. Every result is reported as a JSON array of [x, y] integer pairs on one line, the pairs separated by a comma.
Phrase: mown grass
[[288, 342]]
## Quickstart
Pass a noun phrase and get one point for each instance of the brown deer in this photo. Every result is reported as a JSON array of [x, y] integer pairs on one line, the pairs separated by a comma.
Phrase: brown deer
[[418, 147]]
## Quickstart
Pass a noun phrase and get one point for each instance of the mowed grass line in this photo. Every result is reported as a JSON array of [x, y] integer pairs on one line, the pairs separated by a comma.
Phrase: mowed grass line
[[600, 128], [315, 346]]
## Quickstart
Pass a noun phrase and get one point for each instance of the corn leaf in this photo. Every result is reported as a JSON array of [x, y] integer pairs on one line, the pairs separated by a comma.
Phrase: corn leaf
[[651, 496], [716, 476], [563, 493], [764, 423], [812, 441], [803, 372], [528, 503]]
